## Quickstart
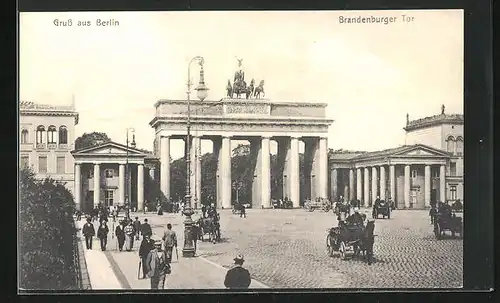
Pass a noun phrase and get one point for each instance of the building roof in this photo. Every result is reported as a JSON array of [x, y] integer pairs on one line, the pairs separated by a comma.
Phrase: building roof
[[434, 120], [401, 151], [38, 109]]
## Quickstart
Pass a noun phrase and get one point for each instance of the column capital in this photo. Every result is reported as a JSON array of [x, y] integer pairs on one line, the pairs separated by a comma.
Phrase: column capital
[[265, 137], [294, 136], [96, 163]]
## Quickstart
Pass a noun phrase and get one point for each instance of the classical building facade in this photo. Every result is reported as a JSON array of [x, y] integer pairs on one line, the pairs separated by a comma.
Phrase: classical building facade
[[428, 168], [113, 174], [259, 121], [46, 140]]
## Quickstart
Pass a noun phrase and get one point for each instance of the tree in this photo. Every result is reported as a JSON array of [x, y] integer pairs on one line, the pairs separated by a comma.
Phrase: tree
[[91, 139], [46, 234]]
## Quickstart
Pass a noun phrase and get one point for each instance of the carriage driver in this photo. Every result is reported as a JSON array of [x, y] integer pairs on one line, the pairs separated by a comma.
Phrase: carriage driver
[[355, 219]]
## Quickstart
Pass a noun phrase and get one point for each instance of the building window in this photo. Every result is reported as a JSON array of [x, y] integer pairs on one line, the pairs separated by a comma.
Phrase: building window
[[450, 144], [460, 146], [453, 192], [24, 136], [51, 134], [435, 174], [63, 135], [109, 173], [42, 164], [453, 169], [40, 130], [109, 197], [25, 161], [91, 174], [61, 165], [414, 173]]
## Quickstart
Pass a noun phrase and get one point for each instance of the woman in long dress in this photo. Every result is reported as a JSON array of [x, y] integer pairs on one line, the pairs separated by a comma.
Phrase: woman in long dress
[[129, 236]]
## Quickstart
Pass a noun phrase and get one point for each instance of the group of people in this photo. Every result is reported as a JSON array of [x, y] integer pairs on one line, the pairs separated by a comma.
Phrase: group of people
[[126, 232], [156, 255]]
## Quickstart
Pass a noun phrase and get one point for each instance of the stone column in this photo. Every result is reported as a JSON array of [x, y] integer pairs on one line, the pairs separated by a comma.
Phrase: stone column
[[97, 184], [366, 196], [165, 166], [121, 183], [294, 172], [392, 177], [226, 172], [335, 192], [359, 184], [217, 143], [407, 186], [322, 171], [351, 184], [266, 172], [442, 183], [427, 185], [198, 172], [78, 186], [140, 187], [256, 160], [374, 183], [382, 183]]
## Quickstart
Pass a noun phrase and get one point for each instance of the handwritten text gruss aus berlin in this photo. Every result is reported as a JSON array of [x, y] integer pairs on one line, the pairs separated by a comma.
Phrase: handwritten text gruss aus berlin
[[86, 23], [375, 19]]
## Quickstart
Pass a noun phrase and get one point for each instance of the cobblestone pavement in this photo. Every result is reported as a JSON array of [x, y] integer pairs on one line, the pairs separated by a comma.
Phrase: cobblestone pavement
[[287, 249]]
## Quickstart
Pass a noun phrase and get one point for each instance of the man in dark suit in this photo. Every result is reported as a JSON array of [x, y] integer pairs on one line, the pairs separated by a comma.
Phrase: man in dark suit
[[137, 228], [237, 277], [147, 245], [146, 228], [88, 231]]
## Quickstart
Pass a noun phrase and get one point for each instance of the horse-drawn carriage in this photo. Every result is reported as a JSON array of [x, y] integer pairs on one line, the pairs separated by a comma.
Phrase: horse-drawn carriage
[[208, 226], [381, 208], [355, 238], [319, 203], [283, 204], [446, 220]]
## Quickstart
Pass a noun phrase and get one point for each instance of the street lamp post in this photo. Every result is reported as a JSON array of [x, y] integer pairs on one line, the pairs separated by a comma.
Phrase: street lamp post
[[202, 90], [127, 187]]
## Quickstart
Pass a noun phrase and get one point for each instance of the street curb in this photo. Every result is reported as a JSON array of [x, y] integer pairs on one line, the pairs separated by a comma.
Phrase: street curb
[[260, 284]]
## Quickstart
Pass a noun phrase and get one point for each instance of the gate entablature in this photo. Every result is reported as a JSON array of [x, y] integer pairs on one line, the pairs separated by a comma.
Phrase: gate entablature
[[262, 115]]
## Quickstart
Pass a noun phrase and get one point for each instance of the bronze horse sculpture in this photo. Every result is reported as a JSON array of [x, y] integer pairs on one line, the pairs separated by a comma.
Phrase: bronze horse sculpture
[[259, 90]]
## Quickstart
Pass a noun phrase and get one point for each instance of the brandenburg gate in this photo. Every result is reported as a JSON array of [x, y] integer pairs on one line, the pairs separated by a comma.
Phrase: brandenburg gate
[[259, 121]]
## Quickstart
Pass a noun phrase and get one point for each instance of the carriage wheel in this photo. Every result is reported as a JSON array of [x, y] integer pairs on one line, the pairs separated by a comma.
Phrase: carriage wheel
[[309, 208], [329, 246], [437, 231], [342, 250]]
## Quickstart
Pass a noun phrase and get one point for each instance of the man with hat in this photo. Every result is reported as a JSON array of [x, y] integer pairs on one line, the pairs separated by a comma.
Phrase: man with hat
[[237, 277], [88, 231], [146, 246], [157, 266], [120, 235]]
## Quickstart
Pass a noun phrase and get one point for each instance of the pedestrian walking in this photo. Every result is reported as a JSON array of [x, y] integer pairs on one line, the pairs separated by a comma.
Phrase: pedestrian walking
[[243, 212], [129, 236], [137, 228], [170, 240], [146, 246], [102, 234], [145, 209], [237, 277], [146, 229], [88, 231], [157, 266], [120, 235]]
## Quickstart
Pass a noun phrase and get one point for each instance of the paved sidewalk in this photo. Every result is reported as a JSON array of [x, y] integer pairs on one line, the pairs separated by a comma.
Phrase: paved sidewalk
[[187, 273], [99, 269]]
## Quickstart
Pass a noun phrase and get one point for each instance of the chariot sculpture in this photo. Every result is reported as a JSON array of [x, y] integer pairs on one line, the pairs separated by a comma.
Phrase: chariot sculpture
[[240, 87]]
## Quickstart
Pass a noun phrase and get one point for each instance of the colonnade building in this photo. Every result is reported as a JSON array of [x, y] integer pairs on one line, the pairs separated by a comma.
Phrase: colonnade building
[[428, 168]]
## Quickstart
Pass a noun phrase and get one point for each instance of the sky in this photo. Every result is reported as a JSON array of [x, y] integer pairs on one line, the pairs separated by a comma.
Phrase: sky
[[370, 75]]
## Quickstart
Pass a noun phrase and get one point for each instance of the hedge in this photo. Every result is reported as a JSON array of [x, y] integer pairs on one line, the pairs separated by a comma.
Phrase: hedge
[[46, 234]]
